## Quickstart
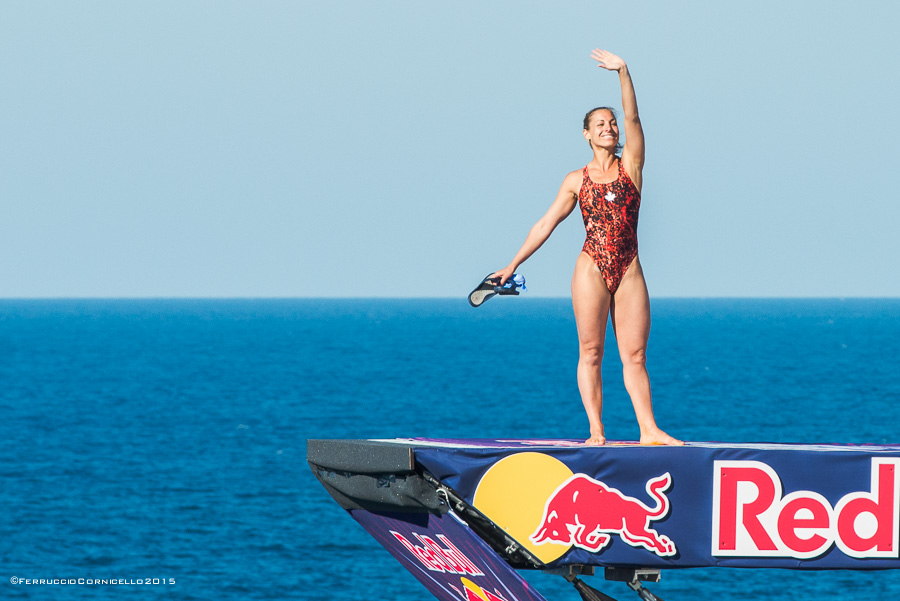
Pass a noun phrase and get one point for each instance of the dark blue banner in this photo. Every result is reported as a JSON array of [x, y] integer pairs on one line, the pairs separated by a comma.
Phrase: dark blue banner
[[702, 505]]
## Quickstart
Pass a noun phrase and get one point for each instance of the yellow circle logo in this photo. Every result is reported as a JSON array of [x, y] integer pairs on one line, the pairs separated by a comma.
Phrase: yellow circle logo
[[513, 493]]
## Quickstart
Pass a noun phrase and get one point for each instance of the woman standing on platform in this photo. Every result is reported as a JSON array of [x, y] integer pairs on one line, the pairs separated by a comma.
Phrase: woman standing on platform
[[608, 280]]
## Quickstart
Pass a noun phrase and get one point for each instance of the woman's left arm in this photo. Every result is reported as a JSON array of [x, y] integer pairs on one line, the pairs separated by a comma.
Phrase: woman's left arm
[[633, 153]]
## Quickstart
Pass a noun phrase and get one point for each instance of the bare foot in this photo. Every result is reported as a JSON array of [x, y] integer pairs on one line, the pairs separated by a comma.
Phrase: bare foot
[[596, 440], [658, 437]]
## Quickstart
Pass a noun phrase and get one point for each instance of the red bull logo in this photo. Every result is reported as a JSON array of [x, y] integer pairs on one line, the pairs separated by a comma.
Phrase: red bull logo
[[752, 517], [448, 559], [585, 512], [436, 558]]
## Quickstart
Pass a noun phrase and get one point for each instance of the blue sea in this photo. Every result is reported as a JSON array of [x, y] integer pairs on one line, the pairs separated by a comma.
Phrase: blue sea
[[164, 441]]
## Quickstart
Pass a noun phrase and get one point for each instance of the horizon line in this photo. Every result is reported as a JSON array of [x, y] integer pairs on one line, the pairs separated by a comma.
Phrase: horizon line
[[459, 298]]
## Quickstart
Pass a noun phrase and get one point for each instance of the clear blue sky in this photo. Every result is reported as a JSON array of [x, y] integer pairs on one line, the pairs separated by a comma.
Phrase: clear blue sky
[[404, 149]]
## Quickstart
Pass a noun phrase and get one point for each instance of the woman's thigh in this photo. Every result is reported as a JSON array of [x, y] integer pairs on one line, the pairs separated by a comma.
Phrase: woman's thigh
[[590, 300], [631, 314]]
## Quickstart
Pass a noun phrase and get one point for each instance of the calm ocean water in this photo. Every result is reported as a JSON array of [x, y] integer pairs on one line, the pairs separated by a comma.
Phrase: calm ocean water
[[165, 439]]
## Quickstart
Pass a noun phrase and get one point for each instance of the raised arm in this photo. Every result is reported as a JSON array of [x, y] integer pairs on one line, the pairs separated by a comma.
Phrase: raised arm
[[561, 208], [633, 153]]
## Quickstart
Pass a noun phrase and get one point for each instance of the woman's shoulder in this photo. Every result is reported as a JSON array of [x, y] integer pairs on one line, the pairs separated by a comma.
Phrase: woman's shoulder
[[576, 176], [574, 180]]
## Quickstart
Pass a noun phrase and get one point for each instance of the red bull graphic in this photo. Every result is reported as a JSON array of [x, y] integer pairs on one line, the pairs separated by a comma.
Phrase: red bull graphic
[[736, 505], [752, 517], [446, 556], [584, 512], [438, 559]]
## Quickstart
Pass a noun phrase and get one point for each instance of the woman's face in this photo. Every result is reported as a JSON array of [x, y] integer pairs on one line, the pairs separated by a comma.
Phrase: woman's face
[[603, 131]]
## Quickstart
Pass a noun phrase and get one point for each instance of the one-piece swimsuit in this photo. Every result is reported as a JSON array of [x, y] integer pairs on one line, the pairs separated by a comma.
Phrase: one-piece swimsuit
[[610, 213]]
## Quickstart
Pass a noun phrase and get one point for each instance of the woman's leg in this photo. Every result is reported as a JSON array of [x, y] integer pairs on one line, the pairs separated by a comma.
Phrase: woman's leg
[[590, 299], [631, 323]]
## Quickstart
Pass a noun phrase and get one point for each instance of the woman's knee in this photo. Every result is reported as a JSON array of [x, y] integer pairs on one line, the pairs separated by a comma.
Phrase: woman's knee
[[634, 357], [590, 352]]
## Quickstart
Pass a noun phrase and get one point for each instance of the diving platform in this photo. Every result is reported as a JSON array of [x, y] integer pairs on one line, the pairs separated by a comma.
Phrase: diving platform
[[464, 515]]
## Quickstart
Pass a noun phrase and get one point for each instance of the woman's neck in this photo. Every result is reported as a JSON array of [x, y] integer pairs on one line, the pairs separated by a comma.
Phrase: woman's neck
[[603, 159]]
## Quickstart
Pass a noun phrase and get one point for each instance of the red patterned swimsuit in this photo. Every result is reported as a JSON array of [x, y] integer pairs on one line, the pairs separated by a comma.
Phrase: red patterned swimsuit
[[610, 213]]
